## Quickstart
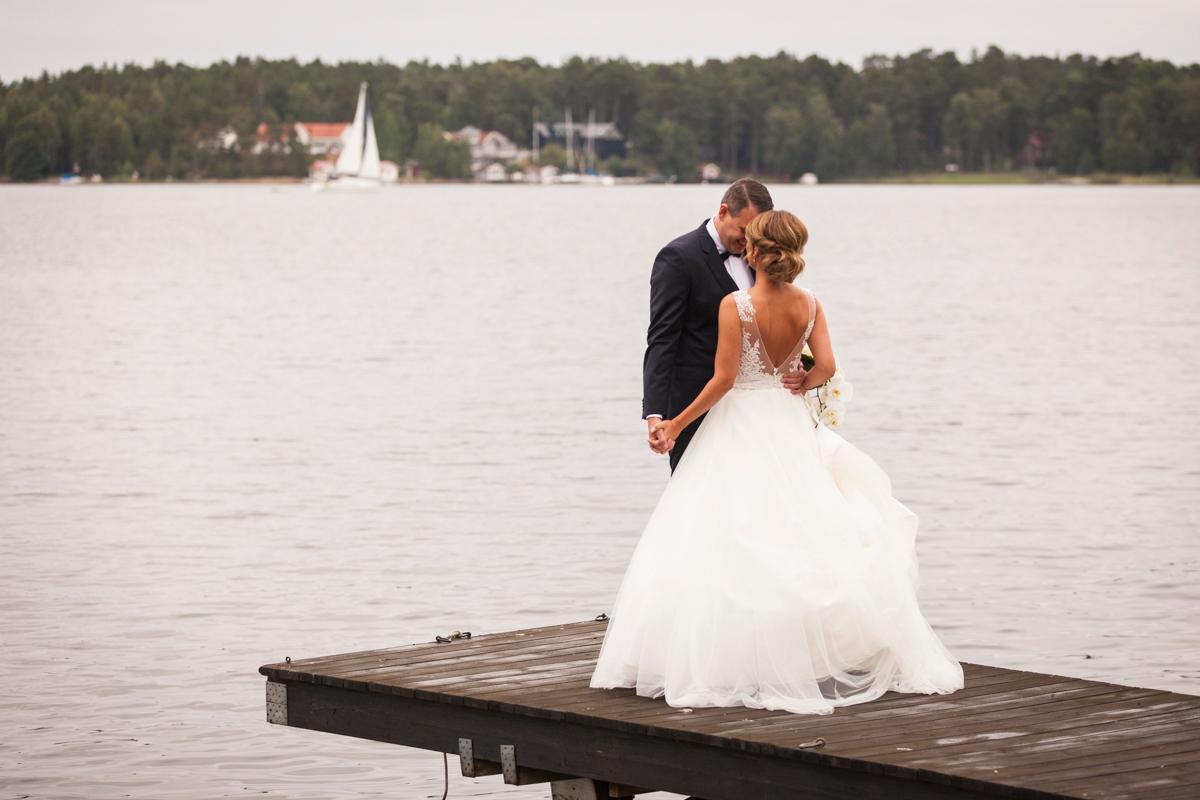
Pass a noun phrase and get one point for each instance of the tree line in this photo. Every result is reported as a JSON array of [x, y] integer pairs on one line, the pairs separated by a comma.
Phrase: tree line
[[776, 117]]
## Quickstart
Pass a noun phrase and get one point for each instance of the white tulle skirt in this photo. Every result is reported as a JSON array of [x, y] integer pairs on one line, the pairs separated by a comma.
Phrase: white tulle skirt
[[777, 571]]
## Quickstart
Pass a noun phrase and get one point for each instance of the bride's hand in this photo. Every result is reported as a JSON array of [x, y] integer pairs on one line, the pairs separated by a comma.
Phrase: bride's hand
[[669, 432]]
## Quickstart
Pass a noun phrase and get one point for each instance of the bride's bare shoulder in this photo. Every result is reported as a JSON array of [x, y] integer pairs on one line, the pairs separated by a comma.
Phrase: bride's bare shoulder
[[728, 316], [798, 296]]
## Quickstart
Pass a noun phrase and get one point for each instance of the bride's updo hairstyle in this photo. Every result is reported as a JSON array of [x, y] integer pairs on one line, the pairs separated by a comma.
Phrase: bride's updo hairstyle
[[778, 238]]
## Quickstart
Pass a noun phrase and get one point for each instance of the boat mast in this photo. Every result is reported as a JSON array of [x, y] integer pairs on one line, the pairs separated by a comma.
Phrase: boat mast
[[570, 144], [591, 140]]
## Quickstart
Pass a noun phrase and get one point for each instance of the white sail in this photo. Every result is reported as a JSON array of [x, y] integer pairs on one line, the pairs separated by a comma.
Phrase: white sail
[[350, 160], [357, 167], [369, 168]]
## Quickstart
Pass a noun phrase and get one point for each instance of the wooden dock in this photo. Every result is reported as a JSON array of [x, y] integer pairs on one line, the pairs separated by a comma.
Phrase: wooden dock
[[518, 704]]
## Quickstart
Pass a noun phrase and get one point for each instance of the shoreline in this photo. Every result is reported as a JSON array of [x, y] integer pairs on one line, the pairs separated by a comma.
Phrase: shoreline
[[914, 179], [1029, 179]]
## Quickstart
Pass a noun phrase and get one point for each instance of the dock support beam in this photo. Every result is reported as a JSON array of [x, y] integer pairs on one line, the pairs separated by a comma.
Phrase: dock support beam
[[276, 703], [562, 787]]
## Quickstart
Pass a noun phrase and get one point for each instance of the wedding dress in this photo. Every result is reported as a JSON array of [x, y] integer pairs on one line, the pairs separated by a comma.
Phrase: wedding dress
[[777, 571]]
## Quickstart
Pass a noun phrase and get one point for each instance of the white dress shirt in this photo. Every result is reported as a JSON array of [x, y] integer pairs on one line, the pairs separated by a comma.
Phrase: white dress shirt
[[738, 269]]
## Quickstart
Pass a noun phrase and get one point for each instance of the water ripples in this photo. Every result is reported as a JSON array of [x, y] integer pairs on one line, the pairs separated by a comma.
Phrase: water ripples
[[242, 423]]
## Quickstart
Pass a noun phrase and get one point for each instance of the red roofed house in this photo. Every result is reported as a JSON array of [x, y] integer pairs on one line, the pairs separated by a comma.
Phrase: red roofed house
[[318, 138], [321, 138]]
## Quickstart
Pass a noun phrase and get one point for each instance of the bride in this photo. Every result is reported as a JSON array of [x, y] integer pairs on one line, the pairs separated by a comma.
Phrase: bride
[[777, 571]]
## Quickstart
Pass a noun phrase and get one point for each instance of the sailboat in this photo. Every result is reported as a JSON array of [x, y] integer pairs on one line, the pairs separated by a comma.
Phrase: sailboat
[[569, 175], [357, 167], [581, 167]]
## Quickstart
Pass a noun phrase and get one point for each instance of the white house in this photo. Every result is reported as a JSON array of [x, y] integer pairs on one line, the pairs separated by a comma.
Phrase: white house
[[488, 148], [495, 173], [495, 146]]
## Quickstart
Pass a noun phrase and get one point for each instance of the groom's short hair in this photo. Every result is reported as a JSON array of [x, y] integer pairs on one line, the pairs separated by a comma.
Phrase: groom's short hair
[[747, 192]]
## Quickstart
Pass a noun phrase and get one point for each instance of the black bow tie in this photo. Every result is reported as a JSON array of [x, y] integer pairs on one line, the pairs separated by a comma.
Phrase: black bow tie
[[727, 254]]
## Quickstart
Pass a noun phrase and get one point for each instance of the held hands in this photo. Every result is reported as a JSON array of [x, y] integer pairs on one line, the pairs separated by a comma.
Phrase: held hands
[[661, 435]]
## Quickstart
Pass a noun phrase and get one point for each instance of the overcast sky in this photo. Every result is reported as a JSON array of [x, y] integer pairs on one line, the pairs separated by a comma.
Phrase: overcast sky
[[57, 35]]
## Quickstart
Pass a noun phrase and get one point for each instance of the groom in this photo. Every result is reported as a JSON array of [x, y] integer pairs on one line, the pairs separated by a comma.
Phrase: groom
[[690, 277]]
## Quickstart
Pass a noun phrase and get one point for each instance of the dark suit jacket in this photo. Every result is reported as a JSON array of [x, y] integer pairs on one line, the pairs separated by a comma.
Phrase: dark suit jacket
[[687, 284]]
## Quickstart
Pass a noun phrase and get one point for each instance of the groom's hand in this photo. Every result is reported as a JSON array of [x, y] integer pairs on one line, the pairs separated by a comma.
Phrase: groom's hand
[[794, 381]]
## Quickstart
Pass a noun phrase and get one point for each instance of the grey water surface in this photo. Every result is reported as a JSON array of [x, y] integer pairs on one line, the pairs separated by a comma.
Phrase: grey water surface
[[239, 423]]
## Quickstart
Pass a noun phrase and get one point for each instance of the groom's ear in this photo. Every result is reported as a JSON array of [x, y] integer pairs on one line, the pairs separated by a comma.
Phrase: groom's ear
[[723, 211]]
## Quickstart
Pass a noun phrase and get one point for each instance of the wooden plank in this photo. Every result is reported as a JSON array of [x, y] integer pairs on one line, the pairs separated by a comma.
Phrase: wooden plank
[[1167, 789], [1046, 734], [893, 700], [1117, 780], [601, 701], [720, 720], [934, 711], [999, 760], [1030, 761], [475, 648], [469, 668], [1134, 747], [489, 642], [480, 677], [991, 715], [1183, 753], [477, 638]]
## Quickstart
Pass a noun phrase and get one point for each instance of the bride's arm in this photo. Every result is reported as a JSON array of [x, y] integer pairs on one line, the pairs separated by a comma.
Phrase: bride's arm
[[725, 367], [824, 364]]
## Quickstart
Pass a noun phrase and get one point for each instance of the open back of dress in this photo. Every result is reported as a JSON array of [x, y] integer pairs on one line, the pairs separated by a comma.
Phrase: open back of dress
[[755, 367]]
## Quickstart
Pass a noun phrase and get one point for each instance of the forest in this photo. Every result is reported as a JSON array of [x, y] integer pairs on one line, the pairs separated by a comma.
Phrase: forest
[[776, 117]]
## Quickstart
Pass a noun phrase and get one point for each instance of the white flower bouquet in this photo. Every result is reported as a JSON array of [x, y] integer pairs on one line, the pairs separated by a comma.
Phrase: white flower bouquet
[[828, 401]]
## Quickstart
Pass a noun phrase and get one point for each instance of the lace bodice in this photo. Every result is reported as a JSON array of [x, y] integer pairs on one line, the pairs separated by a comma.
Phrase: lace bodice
[[755, 370]]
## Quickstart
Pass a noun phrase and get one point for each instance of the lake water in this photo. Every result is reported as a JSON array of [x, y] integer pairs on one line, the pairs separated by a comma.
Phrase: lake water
[[239, 423]]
